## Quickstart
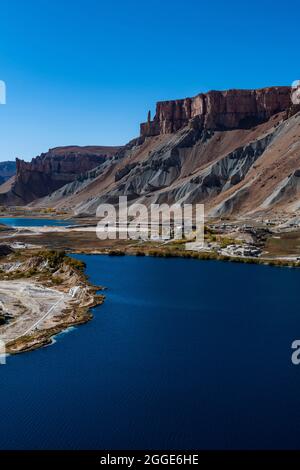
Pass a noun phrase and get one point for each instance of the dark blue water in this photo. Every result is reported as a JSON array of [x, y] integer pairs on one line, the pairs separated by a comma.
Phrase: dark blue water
[[27, 222], [183, 354]]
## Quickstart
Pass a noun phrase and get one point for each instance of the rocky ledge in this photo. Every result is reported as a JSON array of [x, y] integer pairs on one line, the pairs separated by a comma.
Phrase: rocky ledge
[[218, 110]]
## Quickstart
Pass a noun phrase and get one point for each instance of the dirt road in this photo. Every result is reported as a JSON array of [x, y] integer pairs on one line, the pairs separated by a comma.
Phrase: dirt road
[[29, 307]]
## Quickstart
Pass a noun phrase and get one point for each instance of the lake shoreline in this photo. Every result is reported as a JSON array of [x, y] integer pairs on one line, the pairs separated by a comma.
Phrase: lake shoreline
[[201, 256], [71, 239], [80, 237], [49, 293]]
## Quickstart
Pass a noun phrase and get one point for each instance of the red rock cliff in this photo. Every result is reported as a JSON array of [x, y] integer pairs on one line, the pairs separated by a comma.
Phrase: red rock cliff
[[219, 110], [52, 170]]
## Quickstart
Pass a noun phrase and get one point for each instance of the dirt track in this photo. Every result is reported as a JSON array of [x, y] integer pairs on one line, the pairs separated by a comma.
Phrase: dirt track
[[29, 306]]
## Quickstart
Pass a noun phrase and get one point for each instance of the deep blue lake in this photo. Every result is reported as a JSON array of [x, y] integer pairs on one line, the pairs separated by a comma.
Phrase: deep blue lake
[[183, 354], [27, 222]]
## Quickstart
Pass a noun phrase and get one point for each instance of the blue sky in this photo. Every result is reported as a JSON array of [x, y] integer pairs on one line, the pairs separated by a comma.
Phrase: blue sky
[[86, 72]]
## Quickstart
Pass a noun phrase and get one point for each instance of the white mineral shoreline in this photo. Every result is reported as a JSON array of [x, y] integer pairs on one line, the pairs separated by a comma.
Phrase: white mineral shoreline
[[30, 306]]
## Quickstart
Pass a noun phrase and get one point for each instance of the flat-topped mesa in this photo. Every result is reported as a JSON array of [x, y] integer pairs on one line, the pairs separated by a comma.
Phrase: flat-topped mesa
[[52, 170], [60, 163], [219, 110]]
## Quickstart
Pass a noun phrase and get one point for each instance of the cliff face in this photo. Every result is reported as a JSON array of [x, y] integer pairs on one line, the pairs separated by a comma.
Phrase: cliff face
[[236, 151], [52, 170], [218, 110]]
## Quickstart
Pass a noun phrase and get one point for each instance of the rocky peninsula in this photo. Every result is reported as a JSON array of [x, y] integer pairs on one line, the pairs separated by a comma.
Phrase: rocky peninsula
[[42, 293]]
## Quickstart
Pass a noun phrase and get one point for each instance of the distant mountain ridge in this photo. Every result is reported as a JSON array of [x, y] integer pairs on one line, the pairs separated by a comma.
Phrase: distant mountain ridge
[[7, 170]]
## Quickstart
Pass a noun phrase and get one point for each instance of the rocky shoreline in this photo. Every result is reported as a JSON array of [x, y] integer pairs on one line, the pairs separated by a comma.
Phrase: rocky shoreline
[[44, 291], [49, 293], [59, 293]]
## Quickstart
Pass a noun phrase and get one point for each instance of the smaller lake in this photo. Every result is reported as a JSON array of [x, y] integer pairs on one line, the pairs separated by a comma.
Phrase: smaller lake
[[28, 222]]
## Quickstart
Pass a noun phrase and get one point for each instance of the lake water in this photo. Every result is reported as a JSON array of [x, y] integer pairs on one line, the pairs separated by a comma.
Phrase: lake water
[[183, 354], [27, 222]]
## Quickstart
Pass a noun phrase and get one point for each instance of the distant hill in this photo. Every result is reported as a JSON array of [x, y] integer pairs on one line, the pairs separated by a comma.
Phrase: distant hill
[[7, 170]]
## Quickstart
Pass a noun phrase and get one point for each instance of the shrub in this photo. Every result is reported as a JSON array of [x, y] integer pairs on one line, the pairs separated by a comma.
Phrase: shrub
[[54, 258], [116, 253], [76, 263]]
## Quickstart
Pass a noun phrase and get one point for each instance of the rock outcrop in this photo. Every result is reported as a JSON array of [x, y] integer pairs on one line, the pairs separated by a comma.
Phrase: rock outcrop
[[218, 110], [52, 170]]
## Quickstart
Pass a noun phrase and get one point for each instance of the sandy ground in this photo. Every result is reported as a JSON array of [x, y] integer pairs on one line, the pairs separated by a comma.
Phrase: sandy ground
[[31, 307], [49, 229]]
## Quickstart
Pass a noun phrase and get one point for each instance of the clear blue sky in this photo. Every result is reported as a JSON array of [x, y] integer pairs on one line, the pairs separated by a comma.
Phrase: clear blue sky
[[86, 72]]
